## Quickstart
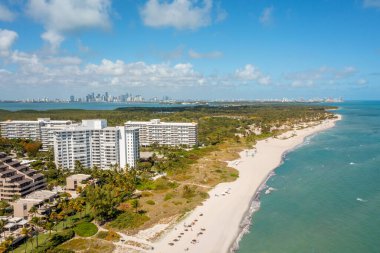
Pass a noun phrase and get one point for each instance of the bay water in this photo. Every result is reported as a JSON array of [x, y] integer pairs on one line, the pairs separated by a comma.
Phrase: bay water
[[44, 106]]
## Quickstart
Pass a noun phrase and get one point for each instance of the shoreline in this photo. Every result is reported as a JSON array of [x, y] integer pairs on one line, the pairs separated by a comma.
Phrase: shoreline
[[246, 221], [225, 216]]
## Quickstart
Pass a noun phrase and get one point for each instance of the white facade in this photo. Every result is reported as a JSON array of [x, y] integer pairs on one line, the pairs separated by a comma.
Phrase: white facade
[[166, 133], [133, 146], [129, 147], [41, 129], [94, 144], [72, 144], [13, 129]]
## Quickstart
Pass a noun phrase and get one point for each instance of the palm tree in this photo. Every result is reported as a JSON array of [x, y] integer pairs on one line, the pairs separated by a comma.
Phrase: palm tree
[[33, 211], [79, 206], [53, 218], [49, 226], [135, 203], [35, 222], [2, 224], [25, 231], [10, 241]]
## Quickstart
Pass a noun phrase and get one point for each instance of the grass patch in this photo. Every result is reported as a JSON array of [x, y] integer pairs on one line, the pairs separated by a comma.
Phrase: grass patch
[[168, 196], [159, 184], [188, 192], [108, 235], [46, 242], [236, 175], [129, 220], [88, 246], [85, 229]]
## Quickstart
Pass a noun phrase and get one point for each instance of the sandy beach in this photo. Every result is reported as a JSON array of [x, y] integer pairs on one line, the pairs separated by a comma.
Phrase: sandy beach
[[214, 226]]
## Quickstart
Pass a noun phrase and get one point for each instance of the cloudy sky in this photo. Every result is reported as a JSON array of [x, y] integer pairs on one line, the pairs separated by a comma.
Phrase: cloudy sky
[[201, 49]]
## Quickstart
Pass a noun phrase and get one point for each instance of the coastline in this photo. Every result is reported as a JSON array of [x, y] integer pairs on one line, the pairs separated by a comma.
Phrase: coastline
[[221, 221]]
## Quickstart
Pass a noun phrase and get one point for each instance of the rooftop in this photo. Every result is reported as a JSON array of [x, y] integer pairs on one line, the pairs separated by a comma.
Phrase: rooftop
[[158, 122], [79, 176], [41, 195]]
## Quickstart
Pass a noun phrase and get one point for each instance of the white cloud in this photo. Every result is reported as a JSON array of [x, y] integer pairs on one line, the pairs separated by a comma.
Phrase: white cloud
[[6, 14], [29, 63], [142, 74], [371, 3], [65, 72], [251, 73], [221, 14], [63, 60], [180, 14], [107, 67], [174, 54], [346, 72], [7, 38], [53, 38], [266, 17], [362, 82], [62, 17], [209, 55], [320, 76]]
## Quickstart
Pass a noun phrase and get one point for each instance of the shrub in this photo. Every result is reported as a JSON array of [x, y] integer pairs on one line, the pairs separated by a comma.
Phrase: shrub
[[204, 195], [102, 234], [168, 196], [234, 175], [150, 202], [56, 250], [61, 237], [146, 194], [188, 192], [112, 236], [129, 220], [85, 229], [108, 235]]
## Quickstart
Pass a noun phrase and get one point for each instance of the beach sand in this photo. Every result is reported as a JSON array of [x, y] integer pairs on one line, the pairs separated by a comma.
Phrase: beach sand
[[216, 224]]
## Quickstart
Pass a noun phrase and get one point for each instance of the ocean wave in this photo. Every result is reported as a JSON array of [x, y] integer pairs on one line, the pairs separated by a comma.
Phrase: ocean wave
[[246, 222], [361, 200], [269, 190]]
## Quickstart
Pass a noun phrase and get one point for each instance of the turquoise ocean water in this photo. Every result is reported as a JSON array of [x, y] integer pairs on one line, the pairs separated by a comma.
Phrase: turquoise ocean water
[[328, 191]]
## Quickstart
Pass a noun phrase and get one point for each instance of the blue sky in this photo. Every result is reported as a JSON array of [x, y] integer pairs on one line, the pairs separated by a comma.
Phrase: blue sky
[[200, 49]]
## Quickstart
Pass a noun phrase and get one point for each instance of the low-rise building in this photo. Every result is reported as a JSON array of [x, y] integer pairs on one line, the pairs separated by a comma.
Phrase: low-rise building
[[17, 179], [166, 133], [75, 181], [41, 130], [43, 200]]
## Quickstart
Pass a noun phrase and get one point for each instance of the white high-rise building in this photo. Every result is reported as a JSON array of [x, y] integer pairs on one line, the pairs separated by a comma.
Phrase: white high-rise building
[[95, 144], [166, 133], [92, 142], [129, 147], [41, 129]]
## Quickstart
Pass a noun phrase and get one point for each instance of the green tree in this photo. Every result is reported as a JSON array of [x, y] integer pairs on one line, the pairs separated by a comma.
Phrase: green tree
[[135, 203], [25, 232], [33, 211], [2, 224]]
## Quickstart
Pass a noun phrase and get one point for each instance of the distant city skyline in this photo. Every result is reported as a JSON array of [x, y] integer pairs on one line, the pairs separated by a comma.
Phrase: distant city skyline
[[190, 49]]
